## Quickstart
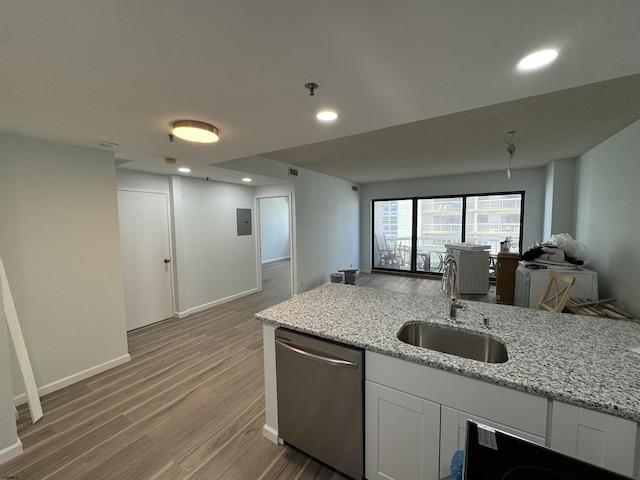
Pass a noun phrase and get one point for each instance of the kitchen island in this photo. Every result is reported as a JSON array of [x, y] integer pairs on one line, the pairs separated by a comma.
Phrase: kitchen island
[[567, 363]]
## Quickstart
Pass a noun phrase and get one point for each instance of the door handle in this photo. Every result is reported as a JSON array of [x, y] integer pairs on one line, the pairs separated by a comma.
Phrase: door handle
[[337, 362], [167, 260]]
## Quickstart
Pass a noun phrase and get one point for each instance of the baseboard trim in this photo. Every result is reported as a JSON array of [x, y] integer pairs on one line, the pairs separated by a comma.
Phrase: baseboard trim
[[271, 434], [215, 303], [11, 451], [76, 377], [273, 260]]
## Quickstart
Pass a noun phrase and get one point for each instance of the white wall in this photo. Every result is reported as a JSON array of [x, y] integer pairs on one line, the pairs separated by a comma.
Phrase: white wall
[[607, 206], [274, 229], [549, 172], [142, 181], [559, 198], [215, 264], [531, 181], [212, 264], [327, 225], [60, 244], [326, 217]]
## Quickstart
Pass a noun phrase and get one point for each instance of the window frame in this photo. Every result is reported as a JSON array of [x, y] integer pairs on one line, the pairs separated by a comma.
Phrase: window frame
[[414, 225]]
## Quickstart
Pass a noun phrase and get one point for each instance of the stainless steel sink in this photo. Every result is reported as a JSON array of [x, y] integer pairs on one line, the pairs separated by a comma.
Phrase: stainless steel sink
[[455, 342]]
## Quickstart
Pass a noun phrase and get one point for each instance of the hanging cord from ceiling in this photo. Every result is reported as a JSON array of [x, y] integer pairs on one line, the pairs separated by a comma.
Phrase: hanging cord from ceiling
[[511, 149]]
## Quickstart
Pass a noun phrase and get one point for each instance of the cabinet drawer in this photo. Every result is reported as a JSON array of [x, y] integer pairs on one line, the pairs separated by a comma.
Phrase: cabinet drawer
[[486, 400]]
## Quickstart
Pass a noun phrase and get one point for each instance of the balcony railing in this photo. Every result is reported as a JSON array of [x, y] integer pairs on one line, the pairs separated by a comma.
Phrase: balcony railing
[[504, 204], [495, 228]]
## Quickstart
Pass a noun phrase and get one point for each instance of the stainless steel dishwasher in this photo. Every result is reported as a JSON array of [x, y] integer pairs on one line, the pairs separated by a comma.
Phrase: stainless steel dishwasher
[[320, 400]]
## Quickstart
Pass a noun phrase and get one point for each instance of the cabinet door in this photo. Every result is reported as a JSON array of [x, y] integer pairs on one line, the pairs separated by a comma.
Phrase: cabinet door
[[594, 437], [453, 433], [402, 434]]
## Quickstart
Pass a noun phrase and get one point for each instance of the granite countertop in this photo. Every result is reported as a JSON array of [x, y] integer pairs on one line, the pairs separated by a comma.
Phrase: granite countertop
[[579, 360]]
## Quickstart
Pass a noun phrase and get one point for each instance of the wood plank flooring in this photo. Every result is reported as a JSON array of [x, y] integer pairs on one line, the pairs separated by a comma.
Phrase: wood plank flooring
[[189, 405]]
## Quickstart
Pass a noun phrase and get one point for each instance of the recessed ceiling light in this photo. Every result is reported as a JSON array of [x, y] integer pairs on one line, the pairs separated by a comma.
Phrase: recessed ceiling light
[[538, 59], [327, 116], [184, 169], [194, 131], [247, 179]]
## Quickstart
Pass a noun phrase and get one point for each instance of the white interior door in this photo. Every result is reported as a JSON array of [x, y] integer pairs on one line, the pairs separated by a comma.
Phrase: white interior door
[[146, 257]]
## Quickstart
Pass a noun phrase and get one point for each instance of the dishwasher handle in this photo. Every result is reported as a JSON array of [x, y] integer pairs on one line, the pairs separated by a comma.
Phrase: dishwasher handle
[[336, 362]]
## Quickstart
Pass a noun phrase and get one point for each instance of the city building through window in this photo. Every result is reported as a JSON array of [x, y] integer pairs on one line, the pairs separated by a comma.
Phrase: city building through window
[[410, 234]]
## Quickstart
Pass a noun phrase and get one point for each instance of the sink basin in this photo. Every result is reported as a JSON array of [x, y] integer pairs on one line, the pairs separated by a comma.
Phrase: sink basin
[[455, 342]]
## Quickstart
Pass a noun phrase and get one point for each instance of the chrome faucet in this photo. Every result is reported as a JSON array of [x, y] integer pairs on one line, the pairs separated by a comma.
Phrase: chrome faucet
[[449, 283]]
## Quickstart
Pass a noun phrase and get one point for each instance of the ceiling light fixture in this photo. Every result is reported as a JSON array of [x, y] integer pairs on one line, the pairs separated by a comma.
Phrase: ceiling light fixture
[[184, 169], [247, 179], [537, 60], [194, 131], [327, 116]]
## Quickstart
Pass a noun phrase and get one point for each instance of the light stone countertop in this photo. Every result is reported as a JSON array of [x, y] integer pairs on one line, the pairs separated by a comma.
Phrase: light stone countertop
[[579, 360]]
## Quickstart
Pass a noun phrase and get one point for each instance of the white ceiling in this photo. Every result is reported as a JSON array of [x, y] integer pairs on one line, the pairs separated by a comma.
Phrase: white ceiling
[[437, 78]]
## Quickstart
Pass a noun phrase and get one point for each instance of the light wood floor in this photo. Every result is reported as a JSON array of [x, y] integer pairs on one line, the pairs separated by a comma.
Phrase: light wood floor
[[189, 405], [421, 285]]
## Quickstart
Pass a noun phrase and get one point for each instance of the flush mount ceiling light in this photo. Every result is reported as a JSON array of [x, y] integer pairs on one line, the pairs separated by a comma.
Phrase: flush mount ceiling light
[[194, 131], [327, 116], [184, 169], [247, 180], [537, 60]]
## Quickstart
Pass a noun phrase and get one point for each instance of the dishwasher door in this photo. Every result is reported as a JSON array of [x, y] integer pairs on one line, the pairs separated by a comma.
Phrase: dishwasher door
[[320, 400]]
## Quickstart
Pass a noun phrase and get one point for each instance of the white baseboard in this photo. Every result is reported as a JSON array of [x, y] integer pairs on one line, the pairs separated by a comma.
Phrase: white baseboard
[[272, 260], [11, 451], [76, 377], [207, 306], [271, 434]]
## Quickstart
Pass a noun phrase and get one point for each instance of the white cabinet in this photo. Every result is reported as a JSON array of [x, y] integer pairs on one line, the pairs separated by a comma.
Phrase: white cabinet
[[410, 406], [598, 438], [473, 267], [402, 435]]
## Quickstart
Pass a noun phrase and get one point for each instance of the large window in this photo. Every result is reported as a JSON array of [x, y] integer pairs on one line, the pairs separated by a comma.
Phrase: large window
[[410, 234], [392, 234]]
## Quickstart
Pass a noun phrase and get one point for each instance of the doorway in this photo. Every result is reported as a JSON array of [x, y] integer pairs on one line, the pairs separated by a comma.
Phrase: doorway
[[275, 244], [146, 257]]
